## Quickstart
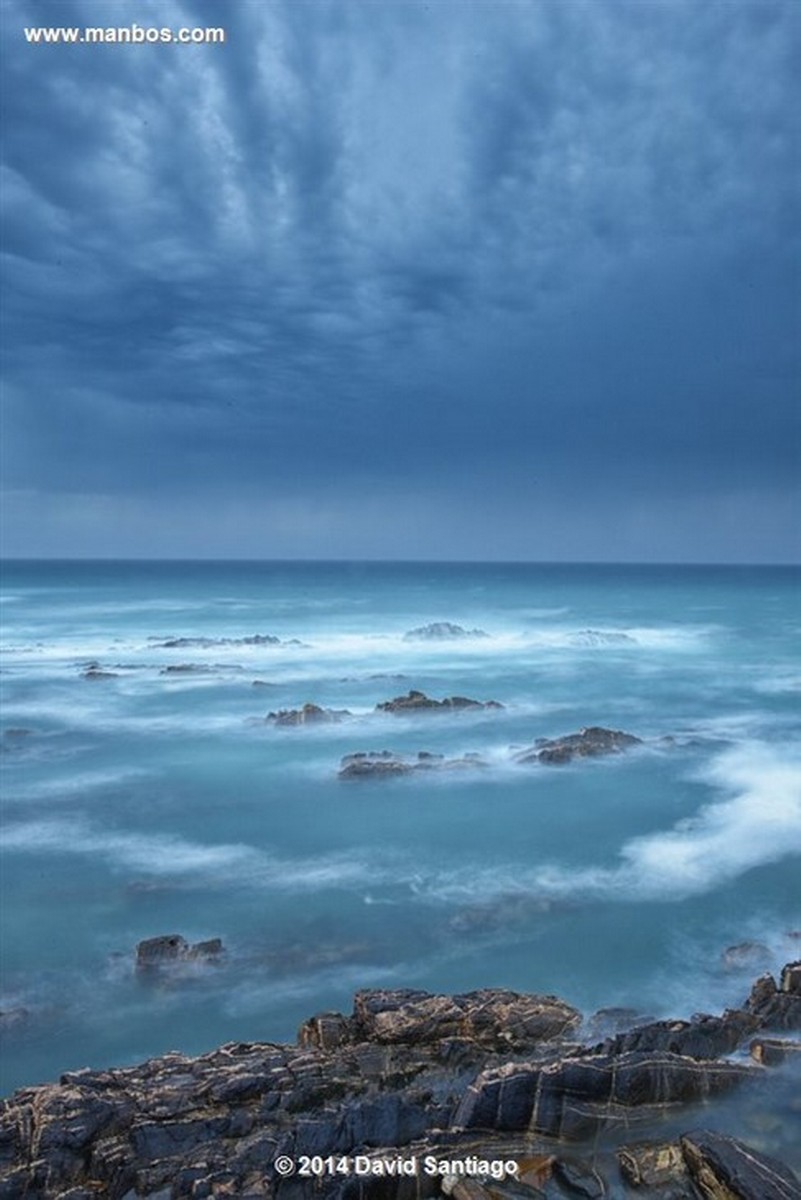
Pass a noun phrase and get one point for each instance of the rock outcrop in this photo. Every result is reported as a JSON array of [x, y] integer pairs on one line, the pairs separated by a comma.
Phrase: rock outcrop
[[414, 702], [442, 631], [587, 743], [309, 714], [446, 1086], [385, 764], [170, 950]]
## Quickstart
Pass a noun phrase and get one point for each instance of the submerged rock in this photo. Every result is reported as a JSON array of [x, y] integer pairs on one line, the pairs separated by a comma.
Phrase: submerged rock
[[746, 956], [602, 637], [384, 764], [415, 701], [97, 672], [204, 643], [441, 631], [310, 714], [587, 743]]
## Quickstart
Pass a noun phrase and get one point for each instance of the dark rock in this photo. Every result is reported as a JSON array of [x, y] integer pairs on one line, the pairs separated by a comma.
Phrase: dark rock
[[725, 1169], [442, 631], [703, 1037], [205, 643], [777, 1007], [772, 1052], [383, 764], [374, 764], [186, 669], [310, 714], [587, 743], [416, 701], [98, 673], [574, 1097], [790, 980], [491, 1072], [657, 1166], [579, 1179], [168, 950]]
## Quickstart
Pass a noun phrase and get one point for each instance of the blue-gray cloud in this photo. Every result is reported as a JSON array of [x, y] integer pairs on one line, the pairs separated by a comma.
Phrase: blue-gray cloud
[[496, 258]]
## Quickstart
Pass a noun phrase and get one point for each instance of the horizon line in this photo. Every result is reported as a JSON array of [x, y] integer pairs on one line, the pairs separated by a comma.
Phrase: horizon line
[[498, 562]]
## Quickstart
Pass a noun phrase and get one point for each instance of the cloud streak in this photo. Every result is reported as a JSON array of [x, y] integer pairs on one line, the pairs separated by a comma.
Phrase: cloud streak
[[450, 250]]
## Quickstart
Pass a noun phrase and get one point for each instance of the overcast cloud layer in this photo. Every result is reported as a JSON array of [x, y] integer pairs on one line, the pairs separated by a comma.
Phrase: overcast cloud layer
[[405, 280]]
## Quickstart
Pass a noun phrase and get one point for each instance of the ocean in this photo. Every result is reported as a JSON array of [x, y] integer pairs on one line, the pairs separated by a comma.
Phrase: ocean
[[142, 800]]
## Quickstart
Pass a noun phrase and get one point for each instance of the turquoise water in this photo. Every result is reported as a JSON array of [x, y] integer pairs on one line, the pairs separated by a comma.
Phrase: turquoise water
[[150, 803]]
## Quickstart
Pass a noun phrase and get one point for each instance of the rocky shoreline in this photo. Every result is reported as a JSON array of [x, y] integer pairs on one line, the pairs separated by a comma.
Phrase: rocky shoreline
[[481, 1096]]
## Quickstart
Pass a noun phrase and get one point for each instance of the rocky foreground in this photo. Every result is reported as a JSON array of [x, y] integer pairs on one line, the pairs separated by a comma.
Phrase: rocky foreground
[[482, 1096]]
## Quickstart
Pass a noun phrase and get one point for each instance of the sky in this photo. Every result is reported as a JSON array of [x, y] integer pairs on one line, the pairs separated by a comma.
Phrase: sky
[[494, 281]]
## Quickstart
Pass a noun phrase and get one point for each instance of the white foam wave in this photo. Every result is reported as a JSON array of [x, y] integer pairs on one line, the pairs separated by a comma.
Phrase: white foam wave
[[222, 864], [758, 823]]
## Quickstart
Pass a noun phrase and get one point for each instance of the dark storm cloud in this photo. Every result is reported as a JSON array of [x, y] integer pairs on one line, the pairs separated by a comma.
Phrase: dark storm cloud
[[486, 254]]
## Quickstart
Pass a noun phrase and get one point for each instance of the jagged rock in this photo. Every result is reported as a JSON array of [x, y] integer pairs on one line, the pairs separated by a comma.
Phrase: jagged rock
[[589, 742], [409, 1071], [416, 701], [659, 1166], [384, 764], [310, 714], [170, 949], [493, 1019], [772, 1052], [725, 1169], [777, 1007], [441, 631], [576, 1096], [96, 672], [703, 1037]]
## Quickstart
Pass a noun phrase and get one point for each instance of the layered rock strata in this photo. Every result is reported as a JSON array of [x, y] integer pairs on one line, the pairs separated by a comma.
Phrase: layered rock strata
[[448, 1086]]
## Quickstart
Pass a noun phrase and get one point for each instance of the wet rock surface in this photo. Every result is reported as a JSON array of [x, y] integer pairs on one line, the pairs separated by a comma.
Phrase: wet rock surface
[[485, 1075]]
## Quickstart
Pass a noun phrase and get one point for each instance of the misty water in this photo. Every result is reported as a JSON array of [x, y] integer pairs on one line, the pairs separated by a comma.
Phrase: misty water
[[147, 801]]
